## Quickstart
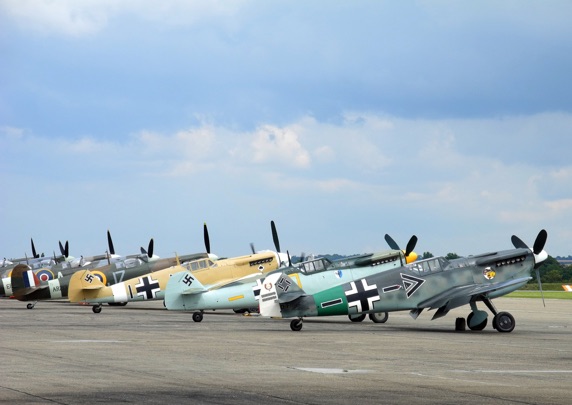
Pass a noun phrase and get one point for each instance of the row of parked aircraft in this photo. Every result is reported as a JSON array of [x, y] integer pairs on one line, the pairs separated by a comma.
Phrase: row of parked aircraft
[[268, 282]]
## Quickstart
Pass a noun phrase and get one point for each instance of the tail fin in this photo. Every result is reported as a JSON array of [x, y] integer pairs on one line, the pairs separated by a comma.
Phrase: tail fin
[[83, 285], [23, 281], [278, 289], [179, 285]]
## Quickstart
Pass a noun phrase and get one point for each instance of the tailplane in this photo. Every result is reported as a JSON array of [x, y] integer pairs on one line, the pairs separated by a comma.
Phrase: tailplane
[[83, 285], [179, 285], [278, 289]]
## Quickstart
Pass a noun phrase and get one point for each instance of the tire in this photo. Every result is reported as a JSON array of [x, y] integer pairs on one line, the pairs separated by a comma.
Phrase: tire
[[460, 324], [197, 316], [379, 317], [296, 325], [96, 309], [356, 318], [504, 322], [479, 326], [30, 306]]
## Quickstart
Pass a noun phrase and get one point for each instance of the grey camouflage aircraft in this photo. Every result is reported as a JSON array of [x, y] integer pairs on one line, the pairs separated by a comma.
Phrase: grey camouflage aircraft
[[434, 284]]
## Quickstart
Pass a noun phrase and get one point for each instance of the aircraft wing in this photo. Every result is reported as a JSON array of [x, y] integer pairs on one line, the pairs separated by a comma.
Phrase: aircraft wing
[[469, 291]]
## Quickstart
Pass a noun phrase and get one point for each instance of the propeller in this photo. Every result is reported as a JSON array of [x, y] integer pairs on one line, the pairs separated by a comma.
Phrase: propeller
[[252, 248], [408, 249], [34, 250], [540, 254], [207, 239], [110, 243], [149, 251], [275, 236], [65, 251]]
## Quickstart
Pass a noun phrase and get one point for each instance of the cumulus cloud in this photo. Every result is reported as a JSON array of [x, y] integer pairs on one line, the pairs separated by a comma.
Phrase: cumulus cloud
[[271, 143]]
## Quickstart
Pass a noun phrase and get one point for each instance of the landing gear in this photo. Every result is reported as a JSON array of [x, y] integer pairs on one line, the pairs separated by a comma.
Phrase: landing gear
[[503, 322], [197, 316], [356, 318], [31, 306], [379, 317], [96, 309], [477, 320], [296, 324]]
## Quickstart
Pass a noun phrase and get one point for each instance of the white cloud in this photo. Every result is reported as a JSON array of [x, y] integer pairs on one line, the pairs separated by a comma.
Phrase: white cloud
[[274, 144]]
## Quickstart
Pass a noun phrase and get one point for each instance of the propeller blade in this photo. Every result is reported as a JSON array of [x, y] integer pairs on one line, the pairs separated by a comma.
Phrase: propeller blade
[[275, 236], [252, 248], [67, 249], [34, 250], [410, 245], [143, 251], [540, 286], [289, 260], [392, 244], [62, 250], [207, 239], [540, 242], [110, 243], [150, 249], [518, 243]]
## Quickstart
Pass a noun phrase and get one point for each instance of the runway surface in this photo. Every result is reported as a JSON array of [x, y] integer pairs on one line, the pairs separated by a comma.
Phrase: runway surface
[[60, 353]]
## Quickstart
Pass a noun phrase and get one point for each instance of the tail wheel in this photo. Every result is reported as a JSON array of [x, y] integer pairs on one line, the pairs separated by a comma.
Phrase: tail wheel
[[96, 309], [197, 316]]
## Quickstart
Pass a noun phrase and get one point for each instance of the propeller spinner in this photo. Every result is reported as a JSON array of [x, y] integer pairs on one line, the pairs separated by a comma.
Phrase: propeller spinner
[[410, 255]]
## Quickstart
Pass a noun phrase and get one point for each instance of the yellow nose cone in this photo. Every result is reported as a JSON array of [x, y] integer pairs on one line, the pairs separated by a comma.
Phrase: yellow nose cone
[[411, 258]]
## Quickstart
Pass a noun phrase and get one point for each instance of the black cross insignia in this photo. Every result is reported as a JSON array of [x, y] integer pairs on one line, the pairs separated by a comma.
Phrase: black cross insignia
[[89, 278], [283, 284], [361, 295], [147, 288], [188, 280]]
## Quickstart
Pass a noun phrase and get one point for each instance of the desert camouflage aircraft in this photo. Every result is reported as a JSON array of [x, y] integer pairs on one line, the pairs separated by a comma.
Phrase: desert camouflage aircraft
[[85, 288], [435, 283], [186, 292]]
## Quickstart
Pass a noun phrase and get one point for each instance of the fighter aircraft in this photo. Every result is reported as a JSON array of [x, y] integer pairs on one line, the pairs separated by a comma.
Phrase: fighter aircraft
[[435, 283], [187, 293], [26, 285], [65, 265], [85, 288]]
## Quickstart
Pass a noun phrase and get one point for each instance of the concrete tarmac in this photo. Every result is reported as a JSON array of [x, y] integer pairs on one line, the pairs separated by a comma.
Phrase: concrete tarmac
[[58, 353]]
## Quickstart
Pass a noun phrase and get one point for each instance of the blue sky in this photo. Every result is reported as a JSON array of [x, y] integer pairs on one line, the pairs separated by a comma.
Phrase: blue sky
[[341, 121]]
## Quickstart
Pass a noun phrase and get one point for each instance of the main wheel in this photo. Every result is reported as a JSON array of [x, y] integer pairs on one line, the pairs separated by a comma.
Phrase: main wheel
[[96, 309], [296, 325], [379, 317], [478, 326], [504, 322], [356, 318], [197, 316]]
